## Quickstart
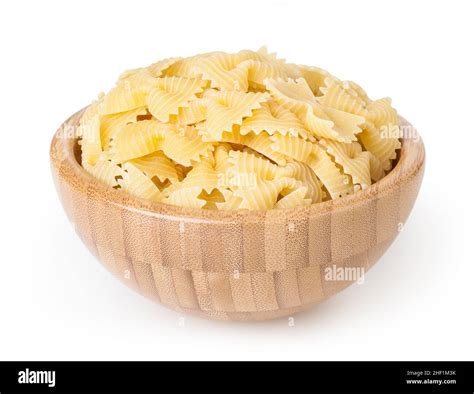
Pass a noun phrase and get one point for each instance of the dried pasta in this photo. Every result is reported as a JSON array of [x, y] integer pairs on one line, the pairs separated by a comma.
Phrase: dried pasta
[[244, 130], [171, 94]]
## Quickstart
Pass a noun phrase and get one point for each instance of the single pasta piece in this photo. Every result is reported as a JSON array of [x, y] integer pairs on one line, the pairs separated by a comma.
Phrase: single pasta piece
[[314, 76], [292, 147], [248, 163], [332, 177], [140, 139], [137, 183], [353, 161], [171, 94], [104, 170], [157, 164], [303, 173], [294, 199], [228, 108], [334, 95], [112, 124], [384, 148], [274, 118]]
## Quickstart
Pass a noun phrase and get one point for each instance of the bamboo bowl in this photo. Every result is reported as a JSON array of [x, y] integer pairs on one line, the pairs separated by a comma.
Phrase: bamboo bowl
[[234, 265]]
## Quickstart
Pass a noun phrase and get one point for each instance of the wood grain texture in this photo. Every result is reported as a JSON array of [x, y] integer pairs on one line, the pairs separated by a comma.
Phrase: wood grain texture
[[234, 265]]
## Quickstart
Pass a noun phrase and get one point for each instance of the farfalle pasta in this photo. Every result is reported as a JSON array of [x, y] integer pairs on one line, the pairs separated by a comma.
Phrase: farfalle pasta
[[245, 130]]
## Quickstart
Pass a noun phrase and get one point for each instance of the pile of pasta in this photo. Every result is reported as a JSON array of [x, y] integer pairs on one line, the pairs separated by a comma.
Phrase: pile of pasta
[[237, 131]]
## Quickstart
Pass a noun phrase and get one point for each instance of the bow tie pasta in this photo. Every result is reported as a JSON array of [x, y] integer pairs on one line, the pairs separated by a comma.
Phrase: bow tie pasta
[[237, 131]]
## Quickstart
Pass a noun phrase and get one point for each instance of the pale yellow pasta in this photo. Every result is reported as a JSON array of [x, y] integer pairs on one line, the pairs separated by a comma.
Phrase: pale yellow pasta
[[195, 112], [186, 197], [158, 68], [231, 202], [381, 113], [123, 98], [224, 71], [184, 144], [227, 109], [221, 157], [258, 71], [274, 118], [171, 94], [203, 175], [247, 163], [302, 172], [91, 144], [296, 95], [137, 183], [292, 147], [356, 90], [186, 67], [334, 180], [244, 130], [111, 125], [139, 79], [104, 170], [157, 164], [346, 125], [250, 151], [335, 96], [376, 168], [323, 122], [91, 111], [264, 145], [318, 122], [264, 194], [352, 159], [139, 139], [262, 56], [183, 68], [296, 198], [232, 137], [384, 148], [314, 77]]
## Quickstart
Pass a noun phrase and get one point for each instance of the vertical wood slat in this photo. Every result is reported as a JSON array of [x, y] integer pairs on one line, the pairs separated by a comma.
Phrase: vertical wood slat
[[287, 288], [221, 291], [190, 250], [203, 291], [164, 284], [233, 246], [319, 238], [253, 229], [309, 284], [297, 254], [264, 291], [242, 292], [275, 241], [184, 287]]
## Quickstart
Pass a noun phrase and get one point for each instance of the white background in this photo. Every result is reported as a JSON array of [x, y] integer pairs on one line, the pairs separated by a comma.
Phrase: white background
[[56, 300]]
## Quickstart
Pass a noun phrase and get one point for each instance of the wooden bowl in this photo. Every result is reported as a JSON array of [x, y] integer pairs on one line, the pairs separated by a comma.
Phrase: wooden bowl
[[235, 265]]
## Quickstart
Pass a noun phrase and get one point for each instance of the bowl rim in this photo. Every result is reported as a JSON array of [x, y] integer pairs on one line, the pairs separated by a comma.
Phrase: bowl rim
[[411, 160]]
